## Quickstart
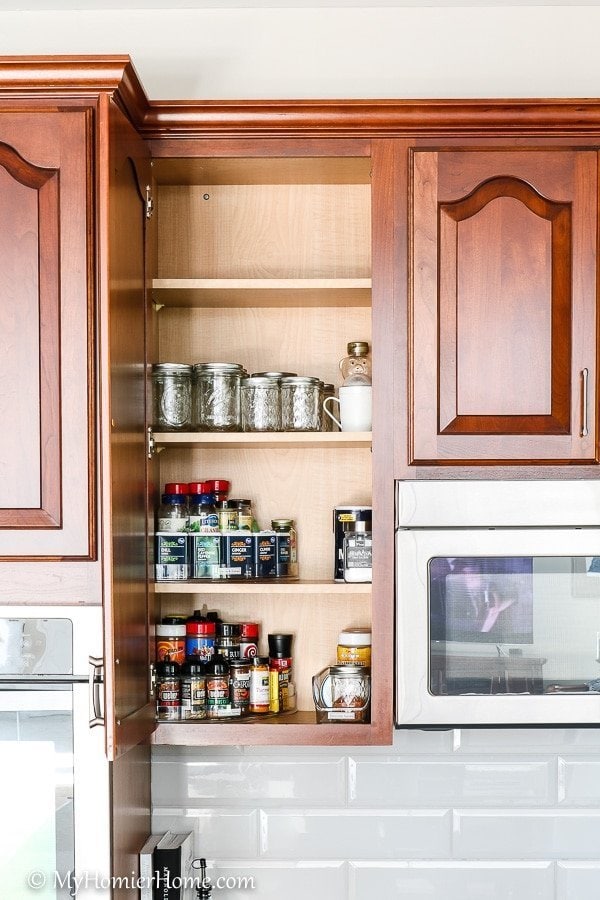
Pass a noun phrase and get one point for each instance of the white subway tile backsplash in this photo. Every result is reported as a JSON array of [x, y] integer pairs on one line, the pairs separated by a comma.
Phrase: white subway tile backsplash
[[218, 832], [578, 880], [246, 781], [275, 880], [339, 834], [529, 740], [390, 781], [452, 880], [538, 834], [579, 782]]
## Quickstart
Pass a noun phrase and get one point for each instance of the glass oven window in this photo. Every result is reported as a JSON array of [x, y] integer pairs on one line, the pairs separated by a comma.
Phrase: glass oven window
[[514, 625]]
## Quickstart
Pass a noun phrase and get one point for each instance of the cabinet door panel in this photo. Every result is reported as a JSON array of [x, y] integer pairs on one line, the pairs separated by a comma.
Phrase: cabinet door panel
[[503, 305], [46, 504]]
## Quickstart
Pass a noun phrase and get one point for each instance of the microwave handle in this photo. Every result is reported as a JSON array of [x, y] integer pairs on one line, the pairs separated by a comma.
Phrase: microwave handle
[[96, 682]]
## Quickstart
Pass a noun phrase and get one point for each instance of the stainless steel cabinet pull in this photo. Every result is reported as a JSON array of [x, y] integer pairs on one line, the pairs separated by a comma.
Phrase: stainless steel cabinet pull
[[584, 403], [96, 682]]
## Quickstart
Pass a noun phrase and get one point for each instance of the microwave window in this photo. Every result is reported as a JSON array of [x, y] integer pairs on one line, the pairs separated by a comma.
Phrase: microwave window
[[513, 624]]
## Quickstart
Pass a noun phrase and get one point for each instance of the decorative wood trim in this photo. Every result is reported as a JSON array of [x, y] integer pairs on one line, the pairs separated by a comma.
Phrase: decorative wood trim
[[373, 118]]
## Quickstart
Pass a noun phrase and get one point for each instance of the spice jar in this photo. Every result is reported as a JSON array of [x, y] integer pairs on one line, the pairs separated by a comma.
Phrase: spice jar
[[193, 691], [286, 548], [202, 516], [354, 647], [217, 396], [170, 640], [199, 640], [357, 552], [217, 688], [172, 513], [227, 644], [259, 685], [168, 691], [300, 404], [261, 404], [239, 685], [327, 423], [282, 694], [248, 639], [245, 518], [219, 488], [172, 397]]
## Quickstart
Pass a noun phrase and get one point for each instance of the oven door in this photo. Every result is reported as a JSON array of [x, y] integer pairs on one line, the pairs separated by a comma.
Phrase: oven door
[[497, 626]]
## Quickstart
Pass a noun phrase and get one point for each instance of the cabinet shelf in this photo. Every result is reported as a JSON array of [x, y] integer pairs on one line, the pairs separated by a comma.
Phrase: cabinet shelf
[[261, 292], [258, 440], [299, 728], [331, 588]]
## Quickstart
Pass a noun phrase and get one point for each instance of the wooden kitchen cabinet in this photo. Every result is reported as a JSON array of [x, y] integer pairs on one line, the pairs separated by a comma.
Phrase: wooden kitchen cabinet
[[47, 443], [502, 305]]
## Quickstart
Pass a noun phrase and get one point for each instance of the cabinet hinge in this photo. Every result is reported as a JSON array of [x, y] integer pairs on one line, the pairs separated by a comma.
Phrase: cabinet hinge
[[149, 202], [150, 443], [152, 679]]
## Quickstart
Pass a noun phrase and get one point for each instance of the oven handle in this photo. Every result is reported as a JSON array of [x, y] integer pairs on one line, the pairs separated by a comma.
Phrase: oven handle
[[96, 682]]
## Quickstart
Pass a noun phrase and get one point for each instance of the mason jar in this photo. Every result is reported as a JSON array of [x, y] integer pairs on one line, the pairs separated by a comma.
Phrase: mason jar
[[261, 405], [217, 396], [301, 403], [172, 397]]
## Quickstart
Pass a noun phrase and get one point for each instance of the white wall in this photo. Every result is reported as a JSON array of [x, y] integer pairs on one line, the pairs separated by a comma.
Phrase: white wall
[[502, 51]]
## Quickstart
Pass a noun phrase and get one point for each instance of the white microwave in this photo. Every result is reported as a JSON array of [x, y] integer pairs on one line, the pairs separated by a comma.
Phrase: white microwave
[[497, 618]]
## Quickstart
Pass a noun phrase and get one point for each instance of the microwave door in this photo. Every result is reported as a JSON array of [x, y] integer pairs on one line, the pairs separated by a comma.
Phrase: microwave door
[[497, 626]]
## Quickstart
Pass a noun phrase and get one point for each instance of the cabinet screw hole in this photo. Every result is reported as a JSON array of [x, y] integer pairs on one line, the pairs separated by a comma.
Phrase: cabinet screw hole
[[206, 196]]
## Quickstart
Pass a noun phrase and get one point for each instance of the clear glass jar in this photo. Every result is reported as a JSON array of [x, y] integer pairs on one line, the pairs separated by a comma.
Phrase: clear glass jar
[[172, 397], [350, 687], [172, 513], [217, 396], [301, 404], [286, 548], [261, 404], [356, 367]]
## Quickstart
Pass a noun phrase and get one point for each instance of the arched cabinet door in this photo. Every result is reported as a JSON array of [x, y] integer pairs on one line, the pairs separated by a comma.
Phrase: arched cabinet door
[[46, 363], [503, 306]]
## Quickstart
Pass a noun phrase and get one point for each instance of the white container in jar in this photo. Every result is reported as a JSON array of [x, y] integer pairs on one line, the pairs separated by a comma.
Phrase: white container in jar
[[354, 647]]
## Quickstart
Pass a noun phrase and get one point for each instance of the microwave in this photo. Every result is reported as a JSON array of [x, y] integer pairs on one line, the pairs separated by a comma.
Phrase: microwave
[[497, 604]]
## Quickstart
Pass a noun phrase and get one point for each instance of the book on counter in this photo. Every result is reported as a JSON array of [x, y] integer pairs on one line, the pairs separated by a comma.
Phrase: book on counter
[[166, 870]]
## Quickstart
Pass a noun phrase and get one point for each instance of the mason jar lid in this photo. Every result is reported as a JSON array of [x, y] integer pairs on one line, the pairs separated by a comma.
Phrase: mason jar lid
[[171, 369], [258, 381], [218, 368], [272, 375], [358, 348], [301, 379], [328, 387], [349, 672], [282, 523], [355, 637]]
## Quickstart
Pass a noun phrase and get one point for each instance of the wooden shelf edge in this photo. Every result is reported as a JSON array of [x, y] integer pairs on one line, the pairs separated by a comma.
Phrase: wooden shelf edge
[[264, 440], [260, 587], [263, 284], [300, 729], [261, 292]]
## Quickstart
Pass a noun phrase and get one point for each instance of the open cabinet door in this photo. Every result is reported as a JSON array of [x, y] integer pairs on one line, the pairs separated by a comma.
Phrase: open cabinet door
[[124, 170]]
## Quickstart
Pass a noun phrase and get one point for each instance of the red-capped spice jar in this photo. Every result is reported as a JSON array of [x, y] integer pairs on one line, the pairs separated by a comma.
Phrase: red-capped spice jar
[[198, 487], [170, 640], [220, 488], [176, 487], [249, 640], [199, 640]]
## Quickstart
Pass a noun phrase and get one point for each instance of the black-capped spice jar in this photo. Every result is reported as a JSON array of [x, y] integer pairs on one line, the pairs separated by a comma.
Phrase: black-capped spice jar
[[286, 548], [193, 691], [168, 691], [217, 688], [227, 644], [239, 685]]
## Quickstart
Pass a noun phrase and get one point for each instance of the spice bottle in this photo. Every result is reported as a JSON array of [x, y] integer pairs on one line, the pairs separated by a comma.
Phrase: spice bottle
[[282, 695], [199, 640], [170, 640], [248, 640], [168, 691], [217, 688], [193, 691], [358, 554], [227, 644], [245, 519], [219, 488], [239, 685], [286, 550], [259, 685], [202, 515], [172, 513], [354, 647]]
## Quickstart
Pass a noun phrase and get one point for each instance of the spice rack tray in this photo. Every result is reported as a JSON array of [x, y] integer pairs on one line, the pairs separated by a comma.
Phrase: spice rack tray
[[259, 440], [256, 586], [296, 728]]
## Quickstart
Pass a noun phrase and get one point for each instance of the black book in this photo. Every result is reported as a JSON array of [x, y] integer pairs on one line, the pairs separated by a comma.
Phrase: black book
[[172, 864]]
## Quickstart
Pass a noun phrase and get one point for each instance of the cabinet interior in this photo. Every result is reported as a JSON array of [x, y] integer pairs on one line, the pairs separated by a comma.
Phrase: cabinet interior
[[267, 263]]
